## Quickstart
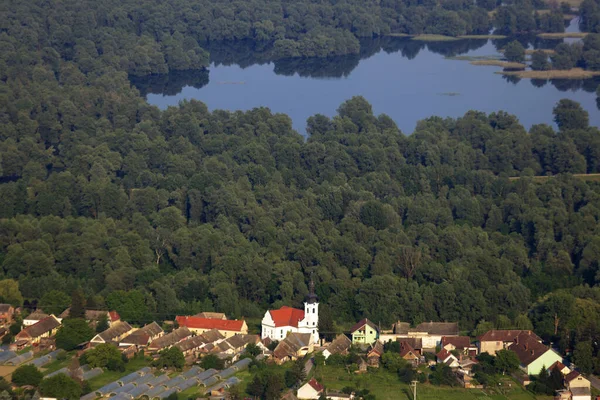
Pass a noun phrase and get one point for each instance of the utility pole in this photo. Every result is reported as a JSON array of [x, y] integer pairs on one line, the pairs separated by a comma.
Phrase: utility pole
[[413, 385]]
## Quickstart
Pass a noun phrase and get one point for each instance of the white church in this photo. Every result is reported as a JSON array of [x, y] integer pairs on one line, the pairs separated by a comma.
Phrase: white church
[[277, 323]]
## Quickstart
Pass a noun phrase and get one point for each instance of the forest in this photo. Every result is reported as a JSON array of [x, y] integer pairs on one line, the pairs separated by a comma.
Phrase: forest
[[157, 213]]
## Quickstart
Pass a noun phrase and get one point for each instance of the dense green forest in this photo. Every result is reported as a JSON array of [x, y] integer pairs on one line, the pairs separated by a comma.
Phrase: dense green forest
[[155, 212]]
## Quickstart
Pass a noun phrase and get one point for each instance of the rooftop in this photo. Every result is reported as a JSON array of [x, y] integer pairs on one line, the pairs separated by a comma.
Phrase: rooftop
[[210, 323], [287, 316]]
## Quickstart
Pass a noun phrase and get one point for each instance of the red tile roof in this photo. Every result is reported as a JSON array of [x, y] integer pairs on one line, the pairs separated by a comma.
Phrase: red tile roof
[[571, 376], [505, 335], [406, 348], [459, 342], [443, 354], [209, 323], [528, 349], [114, 316], [287, 316], [362, 323], [315, 385]]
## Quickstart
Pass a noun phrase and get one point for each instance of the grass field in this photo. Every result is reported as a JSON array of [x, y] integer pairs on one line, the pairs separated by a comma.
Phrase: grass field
[[482, 37], [499, 63], [434, 38], [561, 35], [387, 386], [575, 73]]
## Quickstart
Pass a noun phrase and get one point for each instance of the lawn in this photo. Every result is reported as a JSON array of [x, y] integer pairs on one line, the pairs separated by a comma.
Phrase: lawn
[[386, 386], [109, 376], [58, 364]]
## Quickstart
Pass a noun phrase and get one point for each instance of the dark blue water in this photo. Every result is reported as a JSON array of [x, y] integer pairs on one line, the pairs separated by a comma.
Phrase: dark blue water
[[407, 80]]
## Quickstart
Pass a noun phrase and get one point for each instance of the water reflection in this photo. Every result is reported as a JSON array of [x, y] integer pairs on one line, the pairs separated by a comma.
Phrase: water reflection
[[170, 84]]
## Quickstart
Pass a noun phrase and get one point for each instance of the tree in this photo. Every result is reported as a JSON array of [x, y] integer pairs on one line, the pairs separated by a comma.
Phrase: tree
[[170, 358], [252, 350], [102, 323], [295, 374], [77, 305], [583, 356], [514, 52], [569, 114], [326, 326], [27, 375], [55, 302], [105, 356], [61, 387], [72, 333], [539, 61], [211, 361], [506, 361], [10, 293]]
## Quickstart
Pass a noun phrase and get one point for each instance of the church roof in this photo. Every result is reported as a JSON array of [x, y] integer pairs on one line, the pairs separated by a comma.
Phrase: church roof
[[287, 316]]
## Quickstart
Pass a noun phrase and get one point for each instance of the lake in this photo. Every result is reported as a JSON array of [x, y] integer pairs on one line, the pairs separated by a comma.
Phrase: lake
[[405, 79]]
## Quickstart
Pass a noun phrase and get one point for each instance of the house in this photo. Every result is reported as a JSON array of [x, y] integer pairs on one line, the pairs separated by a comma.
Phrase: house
[[44, 328], [310, 390], [294, 346], [200, 325], [169, 339], [562, 368], [93, 316], [466, 366], [460, 343], [362, 365], [408, 353], [364, 332], [34, 317], [142, 337], [374, 354], [276, 324], [579, 386], [430, 333], [495, 340], [6, 313], [211, 315], [532, 354], [194, 344], [115, 333], [340, 345], [445, 357]]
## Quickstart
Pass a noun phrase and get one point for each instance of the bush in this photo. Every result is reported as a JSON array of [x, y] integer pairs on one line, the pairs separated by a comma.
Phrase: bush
[[27, 375]]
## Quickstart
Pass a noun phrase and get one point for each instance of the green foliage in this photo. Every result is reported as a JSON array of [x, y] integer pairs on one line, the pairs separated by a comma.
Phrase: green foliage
[[514, 51], [393, 361], [569, 114], [506, 361], [10, 293], [170, 358], [61, 387], [27, 375], [77, 309], [266, 386], [539, 61], [295, 374], [583, 356], [252, 350], [72, 333], [55, 302], [212, 361], [105, 356], [102, 323]]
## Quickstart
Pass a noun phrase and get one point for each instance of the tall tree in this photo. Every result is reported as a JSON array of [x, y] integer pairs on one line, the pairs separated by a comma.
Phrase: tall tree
[[77, 304]]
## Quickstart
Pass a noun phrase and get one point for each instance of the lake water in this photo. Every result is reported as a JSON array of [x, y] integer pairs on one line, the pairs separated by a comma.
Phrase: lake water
[[405, 79]]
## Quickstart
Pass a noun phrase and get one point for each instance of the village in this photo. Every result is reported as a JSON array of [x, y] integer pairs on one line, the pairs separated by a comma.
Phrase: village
[[217, 355]]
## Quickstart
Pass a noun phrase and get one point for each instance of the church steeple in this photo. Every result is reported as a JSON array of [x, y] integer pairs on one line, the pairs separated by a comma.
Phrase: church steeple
[[312, 297]]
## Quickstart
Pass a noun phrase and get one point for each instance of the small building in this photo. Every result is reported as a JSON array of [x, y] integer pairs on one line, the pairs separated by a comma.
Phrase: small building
[[211, 315], [578, 385], [532, 354], [225, 327], [142, 337], [115, 333], [169, 339], [340, 345], [294, 346], [44, 328], [562, 368], [34, 317], [6, 313], [500, 339], [430, 333], [93, 316], [364, 332], [374, 354], [445, 357], [311, 390], [409, 354], [462, 344]]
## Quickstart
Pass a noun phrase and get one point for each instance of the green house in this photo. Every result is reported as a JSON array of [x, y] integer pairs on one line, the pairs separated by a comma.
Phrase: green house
[[532, 354], [364, 332]]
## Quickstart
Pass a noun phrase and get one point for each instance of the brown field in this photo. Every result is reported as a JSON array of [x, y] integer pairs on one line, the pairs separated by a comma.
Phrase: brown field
[[547, 51], [499, 63], [562, 35], [6, 372], [575, 73], [482, 37]]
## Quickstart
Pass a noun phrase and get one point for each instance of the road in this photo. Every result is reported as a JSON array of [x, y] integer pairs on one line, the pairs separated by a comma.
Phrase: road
[[308, 366], [594, 381]]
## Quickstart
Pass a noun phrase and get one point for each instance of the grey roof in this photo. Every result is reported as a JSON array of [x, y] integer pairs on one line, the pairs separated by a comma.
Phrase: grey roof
[[158, 380], [18, 360], [226, 373], [167, 393], [129, 378], [187, 384], [139, 390], [192, 372], [243, 364], [143, 371], [339, 345], [43, 360], [60, 371], [191, 343], [218, 386], [108, 388], [123, 389], [89, 396], [155, 391], [209, 381], [7, 355], [117, 329], [5, 308], [92, 373], [37, 315], [174, 382], [232, 381], [206, 374], [171, 338], [121, 396], [143, 379]]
